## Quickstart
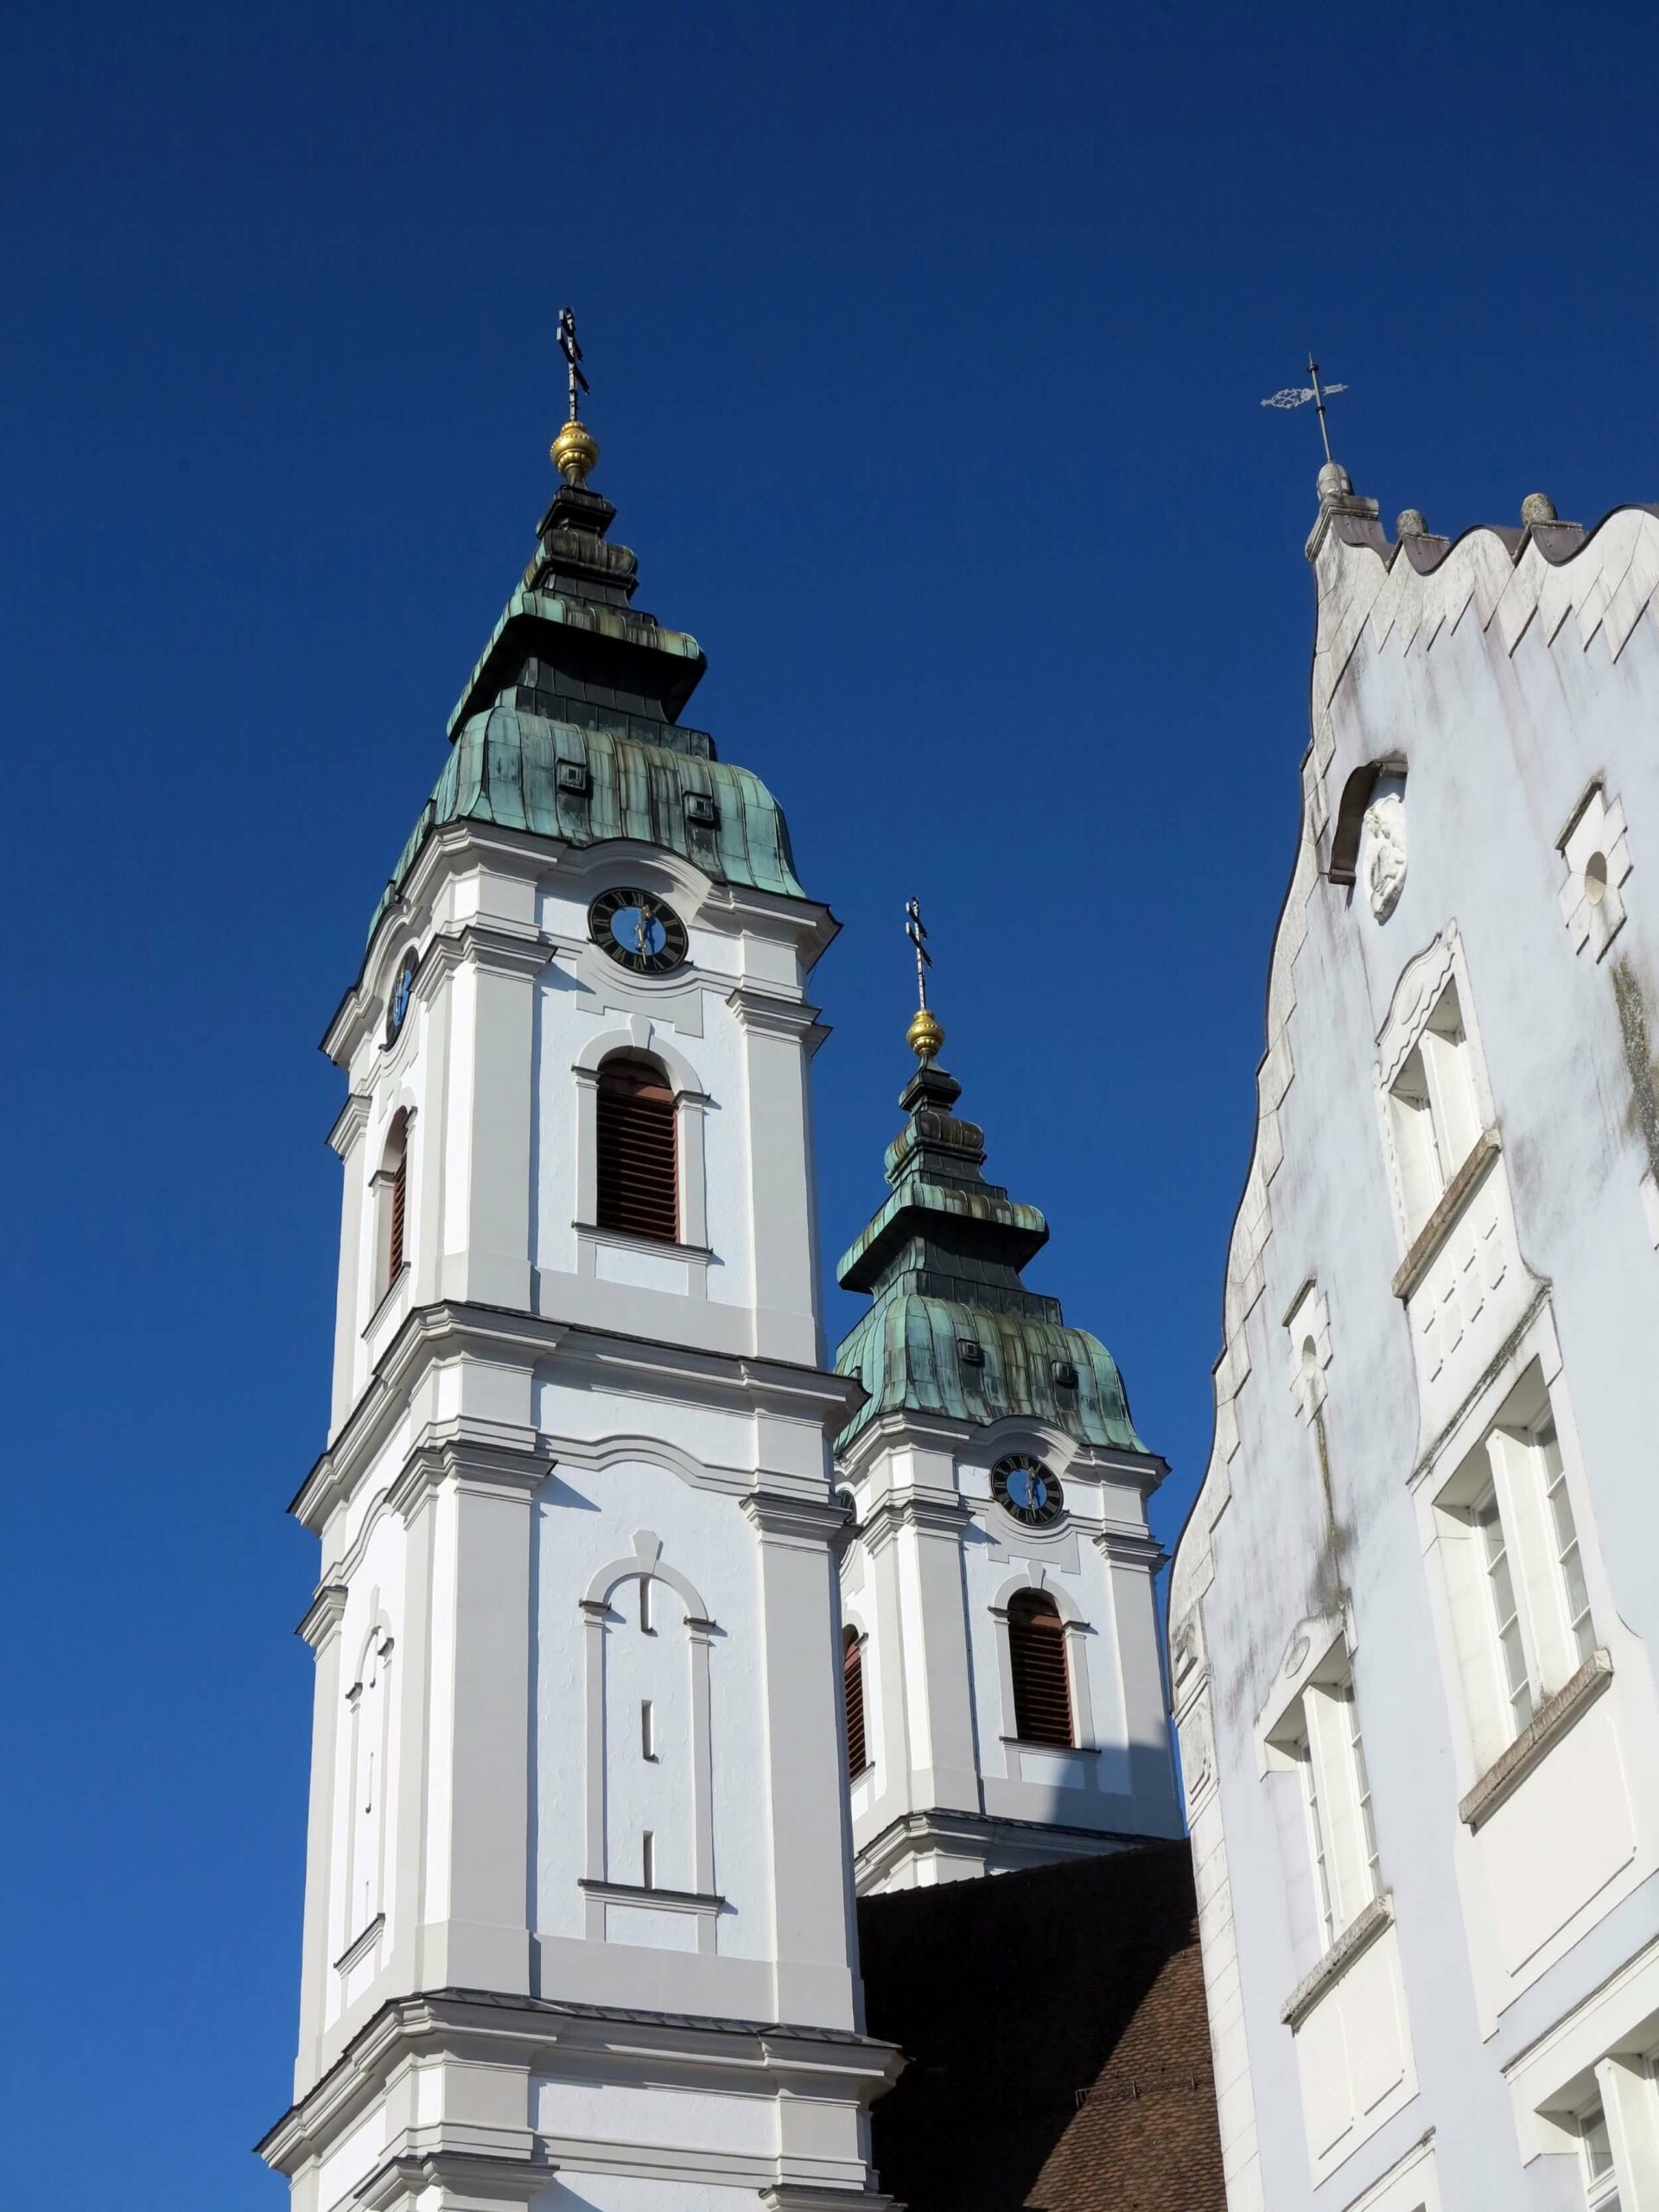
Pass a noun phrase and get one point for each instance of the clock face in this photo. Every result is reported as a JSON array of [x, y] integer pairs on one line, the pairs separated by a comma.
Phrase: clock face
[[1023, 1487], [640, 930], [402, 992]]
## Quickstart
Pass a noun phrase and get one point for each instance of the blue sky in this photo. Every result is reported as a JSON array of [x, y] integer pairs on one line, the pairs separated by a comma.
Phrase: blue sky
[[927, 344]]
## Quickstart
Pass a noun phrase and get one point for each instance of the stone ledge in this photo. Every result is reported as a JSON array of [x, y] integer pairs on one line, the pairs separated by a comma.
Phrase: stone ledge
[[1358, 1936], [1547, 1726], [1439, 1224]]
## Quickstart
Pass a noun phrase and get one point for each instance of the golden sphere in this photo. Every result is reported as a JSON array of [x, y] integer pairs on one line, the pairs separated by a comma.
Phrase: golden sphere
[[924, 1036], [574, 454]]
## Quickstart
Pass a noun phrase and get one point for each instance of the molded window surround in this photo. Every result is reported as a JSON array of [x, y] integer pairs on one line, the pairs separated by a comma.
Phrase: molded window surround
[[1019, 1598], [690, 1106], [852, 1683], [1520, 1617], [1316, 1734], [390, 1221], [1433, 1110]]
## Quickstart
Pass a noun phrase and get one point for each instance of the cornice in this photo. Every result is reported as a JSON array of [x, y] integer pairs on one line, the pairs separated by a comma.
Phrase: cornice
[[532, 2031], [469, 1462], [476, 2178], [449, 1328], [351, 1122], [322, 1616], [1131, 1548], [807, 1519], [771, 1013], [944, 1516], [497, 947]]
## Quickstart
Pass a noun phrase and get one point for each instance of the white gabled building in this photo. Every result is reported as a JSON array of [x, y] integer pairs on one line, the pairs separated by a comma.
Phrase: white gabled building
[[1413, 1611], [579, 1919]]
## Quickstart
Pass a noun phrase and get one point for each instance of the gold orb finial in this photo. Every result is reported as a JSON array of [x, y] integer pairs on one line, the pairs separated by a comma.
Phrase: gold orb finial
[[574, 452], [925, 1035]]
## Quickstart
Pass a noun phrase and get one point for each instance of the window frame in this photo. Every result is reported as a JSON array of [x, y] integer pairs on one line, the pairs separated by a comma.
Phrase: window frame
[[1517, 1469], [1434, 1106], [1319, 1733]]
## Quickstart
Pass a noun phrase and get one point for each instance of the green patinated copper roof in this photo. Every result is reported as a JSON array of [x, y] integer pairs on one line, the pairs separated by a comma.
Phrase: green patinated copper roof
[[504, 769], [942, 1261], [575, 678], [906, 1352]]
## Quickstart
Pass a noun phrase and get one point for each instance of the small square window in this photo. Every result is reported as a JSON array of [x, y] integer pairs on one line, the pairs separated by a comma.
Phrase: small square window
[[573, 777], [1064, 1375], [971, 1352], [701, 810]]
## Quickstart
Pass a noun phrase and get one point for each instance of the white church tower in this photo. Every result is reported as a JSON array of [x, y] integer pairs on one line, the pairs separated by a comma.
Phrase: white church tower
[[579, 1925], [1004, 1691]]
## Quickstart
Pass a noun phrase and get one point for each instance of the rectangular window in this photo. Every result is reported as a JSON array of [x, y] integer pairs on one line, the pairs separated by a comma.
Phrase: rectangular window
[[1575, 1596], [648, 1861], [647, 1730], [1506, 1613], [1316, 1843], [1516, 1577], [645, 1605], [1321, 1736], [1433, 1111], [1600, 2181]]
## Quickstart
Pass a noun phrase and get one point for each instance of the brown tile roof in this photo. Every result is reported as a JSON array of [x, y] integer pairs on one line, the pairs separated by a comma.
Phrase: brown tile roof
[[1059, 2048]]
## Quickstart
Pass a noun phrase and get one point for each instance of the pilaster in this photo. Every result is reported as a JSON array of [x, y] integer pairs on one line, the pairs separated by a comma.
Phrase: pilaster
[[321, 1629], [1135, 1560], [815, 1937], [475, 1881], [779, 1034]]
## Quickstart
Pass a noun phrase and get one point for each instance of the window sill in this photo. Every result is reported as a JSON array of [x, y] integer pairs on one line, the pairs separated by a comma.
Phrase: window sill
[[360, 1946], [1439, 1226], [1358, 1936], [388, 1296], [1065, 1750], [632, 1243], [663, 1900], [1545, 1728]]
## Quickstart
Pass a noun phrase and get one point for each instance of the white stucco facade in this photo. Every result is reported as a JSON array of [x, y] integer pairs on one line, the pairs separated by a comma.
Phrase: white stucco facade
[[930, 1566], [579, 1903], [1413, 1612]]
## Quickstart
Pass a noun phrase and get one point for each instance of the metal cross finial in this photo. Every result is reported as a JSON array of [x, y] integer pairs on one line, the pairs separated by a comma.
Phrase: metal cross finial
[[916, 930], [1297, 395], [571, 350]]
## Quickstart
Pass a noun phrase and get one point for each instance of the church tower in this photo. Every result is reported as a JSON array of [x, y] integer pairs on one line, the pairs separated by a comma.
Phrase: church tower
[[1001, 1676], [579, 1925]]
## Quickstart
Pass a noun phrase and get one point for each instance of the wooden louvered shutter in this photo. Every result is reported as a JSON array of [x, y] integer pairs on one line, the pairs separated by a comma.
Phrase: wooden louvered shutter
[[395, 1244], [1042, 1689], [638, 1182], [852, 1684]]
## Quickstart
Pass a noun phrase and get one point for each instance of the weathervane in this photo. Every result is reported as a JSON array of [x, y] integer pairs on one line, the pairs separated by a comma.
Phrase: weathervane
[[1298, 395], [575, 452], [924, 1036]]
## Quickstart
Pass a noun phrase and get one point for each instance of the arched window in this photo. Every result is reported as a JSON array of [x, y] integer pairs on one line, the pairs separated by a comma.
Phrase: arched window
[[852, 1685], [1042, 1688], [392, 1186], [637, 1180]]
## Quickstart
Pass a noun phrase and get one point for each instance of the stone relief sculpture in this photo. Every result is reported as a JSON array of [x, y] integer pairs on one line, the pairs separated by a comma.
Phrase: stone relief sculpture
[[1385, 853]]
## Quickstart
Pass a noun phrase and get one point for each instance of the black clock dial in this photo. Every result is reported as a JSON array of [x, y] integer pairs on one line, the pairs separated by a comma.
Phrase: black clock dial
[[640, 931], [402, 991], [1023, 1487]]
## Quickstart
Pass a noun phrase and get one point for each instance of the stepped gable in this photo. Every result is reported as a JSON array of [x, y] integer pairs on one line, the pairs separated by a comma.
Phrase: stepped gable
[[1058, 2051], [942, 1261]]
